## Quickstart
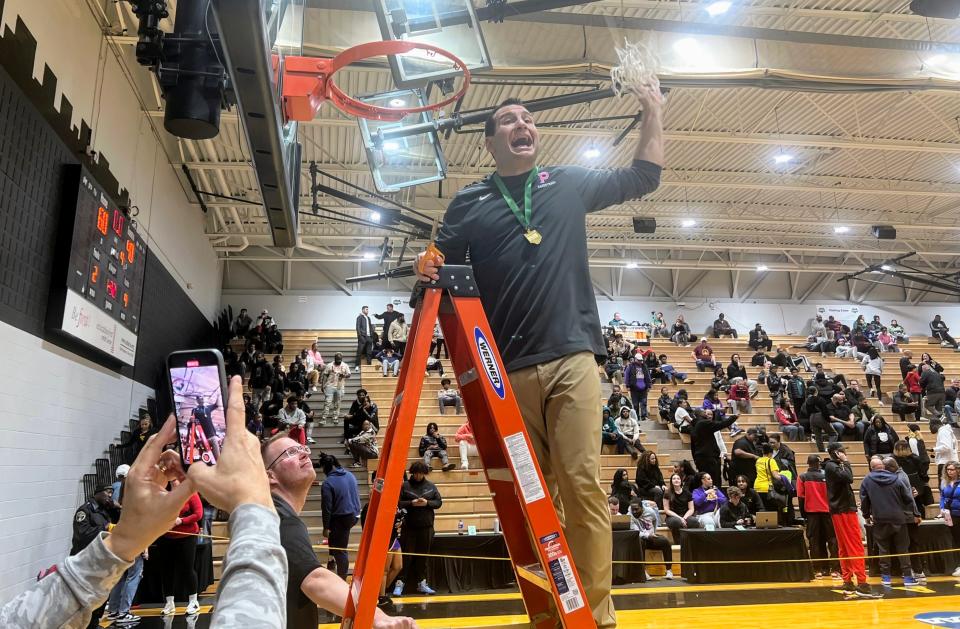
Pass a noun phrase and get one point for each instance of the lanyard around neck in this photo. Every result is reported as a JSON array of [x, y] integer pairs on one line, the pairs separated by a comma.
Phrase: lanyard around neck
[[523, 217]]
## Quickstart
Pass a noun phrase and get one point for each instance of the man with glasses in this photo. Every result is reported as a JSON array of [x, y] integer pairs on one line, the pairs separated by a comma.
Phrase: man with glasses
[[291, 474]]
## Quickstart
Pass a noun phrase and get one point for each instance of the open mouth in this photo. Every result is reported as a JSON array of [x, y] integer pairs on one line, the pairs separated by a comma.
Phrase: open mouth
[[521, 142]]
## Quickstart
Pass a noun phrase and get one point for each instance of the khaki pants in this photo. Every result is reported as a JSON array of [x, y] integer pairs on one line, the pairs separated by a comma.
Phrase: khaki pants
[[560, 402]]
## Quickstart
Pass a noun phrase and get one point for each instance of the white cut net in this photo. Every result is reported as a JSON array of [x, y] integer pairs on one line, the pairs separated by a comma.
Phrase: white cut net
[[637, 65]]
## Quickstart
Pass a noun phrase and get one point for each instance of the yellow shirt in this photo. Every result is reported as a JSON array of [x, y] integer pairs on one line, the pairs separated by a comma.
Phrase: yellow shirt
[[762, 484]]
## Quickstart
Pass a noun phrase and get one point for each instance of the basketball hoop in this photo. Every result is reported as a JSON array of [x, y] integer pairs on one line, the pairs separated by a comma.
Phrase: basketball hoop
[[308, 82]]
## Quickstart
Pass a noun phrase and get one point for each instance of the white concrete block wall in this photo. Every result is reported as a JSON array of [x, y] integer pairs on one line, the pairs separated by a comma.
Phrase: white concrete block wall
[[59, 413]]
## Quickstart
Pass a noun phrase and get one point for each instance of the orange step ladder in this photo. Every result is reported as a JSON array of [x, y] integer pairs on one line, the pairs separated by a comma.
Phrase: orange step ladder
[[552, 592]]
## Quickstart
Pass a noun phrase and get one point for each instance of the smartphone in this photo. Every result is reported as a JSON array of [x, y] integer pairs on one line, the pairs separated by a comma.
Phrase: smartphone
[[198, 387]]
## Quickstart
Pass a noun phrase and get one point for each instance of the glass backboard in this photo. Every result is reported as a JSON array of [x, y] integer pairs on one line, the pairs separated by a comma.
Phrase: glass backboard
[[448, 24], [404, 162]]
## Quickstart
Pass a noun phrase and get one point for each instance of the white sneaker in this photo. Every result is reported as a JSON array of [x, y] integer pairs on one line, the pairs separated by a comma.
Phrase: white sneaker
[[464, 467], [647, 576], [956, 572], [669, 575], [193, 607], [169, 609]]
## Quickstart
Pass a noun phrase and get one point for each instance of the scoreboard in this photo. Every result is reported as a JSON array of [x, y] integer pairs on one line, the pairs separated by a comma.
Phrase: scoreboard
[[98, 284]]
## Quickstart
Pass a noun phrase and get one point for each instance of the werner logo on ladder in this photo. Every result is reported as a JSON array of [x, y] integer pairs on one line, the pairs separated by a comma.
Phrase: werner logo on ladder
[[551, 589]]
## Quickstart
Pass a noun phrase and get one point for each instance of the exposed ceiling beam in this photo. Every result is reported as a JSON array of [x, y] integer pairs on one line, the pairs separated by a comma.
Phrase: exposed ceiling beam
[[263, 276], [693, 284], [333, 278]]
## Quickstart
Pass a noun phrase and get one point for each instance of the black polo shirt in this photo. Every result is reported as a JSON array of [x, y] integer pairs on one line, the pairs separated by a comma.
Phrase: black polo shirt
[[539, 298], [301, 611]]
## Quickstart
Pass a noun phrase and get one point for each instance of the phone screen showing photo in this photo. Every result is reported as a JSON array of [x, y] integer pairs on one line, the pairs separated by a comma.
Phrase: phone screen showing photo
[[198, 402]]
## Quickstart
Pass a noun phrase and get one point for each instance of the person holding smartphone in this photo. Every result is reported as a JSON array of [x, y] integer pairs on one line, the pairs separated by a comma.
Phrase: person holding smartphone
[[843, 513]]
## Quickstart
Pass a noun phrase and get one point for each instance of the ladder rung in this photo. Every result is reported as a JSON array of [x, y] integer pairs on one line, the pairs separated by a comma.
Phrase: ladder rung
[[535, 575]]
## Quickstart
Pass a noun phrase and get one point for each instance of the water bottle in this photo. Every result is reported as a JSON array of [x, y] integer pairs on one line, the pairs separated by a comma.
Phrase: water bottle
[[496, 525], [460, 527]]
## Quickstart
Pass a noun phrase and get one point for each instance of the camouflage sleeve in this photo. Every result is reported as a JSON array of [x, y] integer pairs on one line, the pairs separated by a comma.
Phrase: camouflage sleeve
[[65, 598], [255, 562]]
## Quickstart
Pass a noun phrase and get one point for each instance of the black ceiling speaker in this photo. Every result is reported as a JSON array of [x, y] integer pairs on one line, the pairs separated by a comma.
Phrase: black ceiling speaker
[[946, 9], [644, 225], [884, 232]]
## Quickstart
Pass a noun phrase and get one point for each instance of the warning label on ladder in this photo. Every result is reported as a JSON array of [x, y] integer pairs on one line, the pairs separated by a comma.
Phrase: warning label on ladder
[[523, 467], [561, 573]]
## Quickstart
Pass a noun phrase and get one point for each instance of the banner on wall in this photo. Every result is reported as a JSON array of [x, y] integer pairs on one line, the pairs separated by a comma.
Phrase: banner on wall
[[843, 314]]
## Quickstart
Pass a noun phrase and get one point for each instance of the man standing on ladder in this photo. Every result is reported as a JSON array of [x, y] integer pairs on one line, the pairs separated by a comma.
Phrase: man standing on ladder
[[525, 231]]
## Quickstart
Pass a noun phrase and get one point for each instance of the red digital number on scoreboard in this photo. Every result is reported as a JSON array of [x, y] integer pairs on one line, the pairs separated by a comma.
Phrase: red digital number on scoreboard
[[103, 220], [112, 289], [131, 249], [118, 220]]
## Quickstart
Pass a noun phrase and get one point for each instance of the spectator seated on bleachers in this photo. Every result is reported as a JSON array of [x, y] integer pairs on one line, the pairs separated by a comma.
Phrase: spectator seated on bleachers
[[738, 398], [273, 339], [434, 364], [389, 361], [682, 416], [618, 400], [672, 375], [614, 505], [256, 427], [904, 404], [703, 356], [879, 438], [467, 443], [649, 478], [775, 384], [789, 422], [363, 446], [397, 333], [434, 445], [842, 418], [759, 359], [652, 363], [629, 429], [296, 380], [680, 332], [950, 401], [643, 519], [886, 342], [678, 506], [241, 325], [624, 490], [707, 501], [447, 396], [896, 330], [749, 495], [719, 380], [663, 405], [659, 325], [735, 512], [721, 327], [759, 340], [292, 418], [613, 367], [940, 330]]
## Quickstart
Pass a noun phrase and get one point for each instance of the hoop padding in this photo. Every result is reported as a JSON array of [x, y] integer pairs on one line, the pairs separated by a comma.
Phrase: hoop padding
[[308, 82], [637, 65]]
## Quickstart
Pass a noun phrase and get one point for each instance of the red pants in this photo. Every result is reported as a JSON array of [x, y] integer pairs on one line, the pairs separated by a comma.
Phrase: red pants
[[297, 434], [849, 544]]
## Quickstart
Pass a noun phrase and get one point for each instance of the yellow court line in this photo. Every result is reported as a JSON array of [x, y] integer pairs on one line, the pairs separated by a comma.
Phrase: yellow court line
[[849, 614], [648, 591]]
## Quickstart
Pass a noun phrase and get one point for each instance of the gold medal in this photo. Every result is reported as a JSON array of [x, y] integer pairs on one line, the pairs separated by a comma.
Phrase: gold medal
[[533, 236]]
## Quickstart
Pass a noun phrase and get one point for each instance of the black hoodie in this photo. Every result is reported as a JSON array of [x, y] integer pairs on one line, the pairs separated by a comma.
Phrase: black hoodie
[[839, 476], [879, 440], [886, 497]]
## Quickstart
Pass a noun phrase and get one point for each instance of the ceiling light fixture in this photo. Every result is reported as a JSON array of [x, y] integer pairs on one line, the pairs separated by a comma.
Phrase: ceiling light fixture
[[592, 153], [390, 147], [782, 158], [841, 229], [375, 217], [886, 267], [762, 267], [718, 8], [397, 102], [688, 222], [633, 265], [369, 256]]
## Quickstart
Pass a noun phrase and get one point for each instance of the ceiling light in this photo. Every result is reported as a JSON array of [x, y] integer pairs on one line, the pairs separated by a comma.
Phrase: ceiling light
[[375, 217], [397, 102], [886, 267], [390, 147], [936, 60], [841, 229], [592, 153], [782, 158], [689, 222], [718, 8], [689, 50], [633, 265], [762, 267], [369, 256]]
